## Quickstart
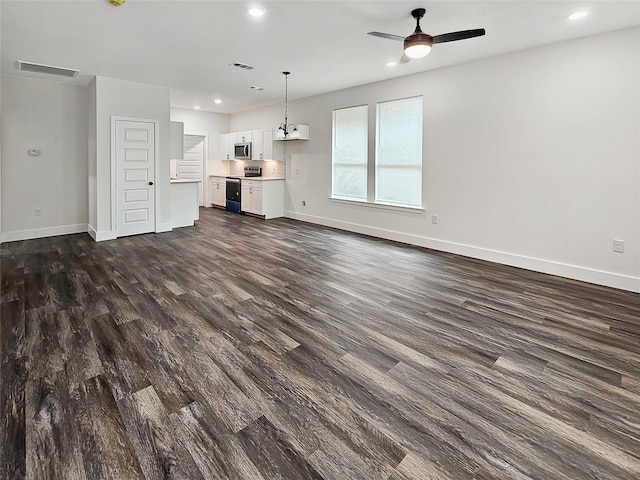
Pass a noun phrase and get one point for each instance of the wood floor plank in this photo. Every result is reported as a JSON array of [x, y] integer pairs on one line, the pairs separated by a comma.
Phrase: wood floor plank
[[12, 408], [218, 454], [53, 444], [107, 451], [152, 438], [272, 454]]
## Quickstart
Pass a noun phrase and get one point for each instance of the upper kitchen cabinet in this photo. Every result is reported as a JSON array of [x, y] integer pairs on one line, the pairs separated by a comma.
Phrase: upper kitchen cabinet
[[264, 148], [176, 140], [243, 137], [227, 140]]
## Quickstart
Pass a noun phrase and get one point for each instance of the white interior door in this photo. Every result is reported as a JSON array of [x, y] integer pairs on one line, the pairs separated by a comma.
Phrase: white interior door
[[135, 177], [192, 163]]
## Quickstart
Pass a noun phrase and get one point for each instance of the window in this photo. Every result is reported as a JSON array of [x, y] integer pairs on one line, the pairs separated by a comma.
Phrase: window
[[350, 153], [394, 176], [399, 152]]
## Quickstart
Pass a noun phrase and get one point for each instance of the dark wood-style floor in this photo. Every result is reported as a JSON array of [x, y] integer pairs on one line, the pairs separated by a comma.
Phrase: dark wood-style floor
[[245, 349]]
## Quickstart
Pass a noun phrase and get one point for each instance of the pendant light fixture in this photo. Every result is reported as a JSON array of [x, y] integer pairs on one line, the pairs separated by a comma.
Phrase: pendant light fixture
[[286, 129]]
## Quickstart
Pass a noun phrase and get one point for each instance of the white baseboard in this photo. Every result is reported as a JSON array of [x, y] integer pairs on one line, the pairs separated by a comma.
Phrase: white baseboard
[[574, 272], [43, 232], [102, 235]]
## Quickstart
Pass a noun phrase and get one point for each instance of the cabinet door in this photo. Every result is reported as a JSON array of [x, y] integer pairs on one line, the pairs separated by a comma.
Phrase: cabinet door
[[243, 137], [267, 144], [257, 145], [217, 192], [226, 146], [256, 201], [245, 198]]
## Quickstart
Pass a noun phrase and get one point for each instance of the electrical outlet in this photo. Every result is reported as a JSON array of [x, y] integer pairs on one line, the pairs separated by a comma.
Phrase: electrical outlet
[[304, 203], [434, 219], [37, 212], [618, 246]]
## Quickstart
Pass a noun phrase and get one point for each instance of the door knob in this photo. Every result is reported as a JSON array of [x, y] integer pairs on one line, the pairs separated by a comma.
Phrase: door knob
[[150, 183]]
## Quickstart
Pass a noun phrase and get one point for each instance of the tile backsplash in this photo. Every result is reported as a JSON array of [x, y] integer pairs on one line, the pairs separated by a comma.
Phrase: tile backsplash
[[269, 168]]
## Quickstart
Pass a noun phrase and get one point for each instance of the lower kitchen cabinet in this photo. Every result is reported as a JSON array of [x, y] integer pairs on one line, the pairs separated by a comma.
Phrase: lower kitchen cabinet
[[218, 191], [263, 197]]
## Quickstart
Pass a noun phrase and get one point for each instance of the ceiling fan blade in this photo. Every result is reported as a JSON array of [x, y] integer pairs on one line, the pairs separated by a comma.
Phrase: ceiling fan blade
[[453, 36], [405, 59], [387, 36]]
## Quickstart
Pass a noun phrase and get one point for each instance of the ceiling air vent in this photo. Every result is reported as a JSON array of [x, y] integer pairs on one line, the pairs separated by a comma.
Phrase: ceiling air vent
[[242, 65], [48, 69]]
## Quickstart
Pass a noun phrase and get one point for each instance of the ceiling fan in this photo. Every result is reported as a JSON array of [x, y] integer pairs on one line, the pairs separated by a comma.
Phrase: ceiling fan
[[418, 44]]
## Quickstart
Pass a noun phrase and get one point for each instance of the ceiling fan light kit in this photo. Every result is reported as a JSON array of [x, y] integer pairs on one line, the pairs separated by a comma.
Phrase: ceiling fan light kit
[[419, 44]]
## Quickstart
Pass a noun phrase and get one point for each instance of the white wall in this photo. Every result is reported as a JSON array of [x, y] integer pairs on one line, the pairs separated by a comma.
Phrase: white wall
[[135, 100], [210, 124], [50, 117], [530, 159]]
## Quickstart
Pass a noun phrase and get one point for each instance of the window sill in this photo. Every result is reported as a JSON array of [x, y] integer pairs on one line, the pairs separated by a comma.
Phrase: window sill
[[382, 206]]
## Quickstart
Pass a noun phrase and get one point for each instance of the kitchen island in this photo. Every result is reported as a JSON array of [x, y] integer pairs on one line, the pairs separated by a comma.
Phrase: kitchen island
[[184, 202]]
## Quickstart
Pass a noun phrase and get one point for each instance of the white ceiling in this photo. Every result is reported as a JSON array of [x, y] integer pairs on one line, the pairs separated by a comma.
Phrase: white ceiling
[[188, 45]]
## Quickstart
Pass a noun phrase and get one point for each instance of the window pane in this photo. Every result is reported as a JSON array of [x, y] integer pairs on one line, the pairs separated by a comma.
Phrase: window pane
[[350, 152], [399, 152]]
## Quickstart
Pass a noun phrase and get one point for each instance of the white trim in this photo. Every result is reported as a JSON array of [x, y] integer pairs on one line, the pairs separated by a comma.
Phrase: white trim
[[44, 232], [92, 232], [102, 235], [383, 206], [575, 272], [156, 162]]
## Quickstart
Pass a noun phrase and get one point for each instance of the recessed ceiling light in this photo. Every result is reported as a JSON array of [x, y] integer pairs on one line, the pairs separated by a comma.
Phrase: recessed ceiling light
[[391, 64], [217, 101], [196, 107], [256, 11], [578, 15]]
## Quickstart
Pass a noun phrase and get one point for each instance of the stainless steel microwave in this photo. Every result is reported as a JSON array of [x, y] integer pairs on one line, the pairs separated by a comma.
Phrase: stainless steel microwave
[[242, 151]]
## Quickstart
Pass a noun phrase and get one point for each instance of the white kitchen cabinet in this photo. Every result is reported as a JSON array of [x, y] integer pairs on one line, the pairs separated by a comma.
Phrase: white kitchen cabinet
[[257, 145], [243, 137], [217, 191], [263, 197], [251, 197], [264, 148], [176, 140], [227, 141]]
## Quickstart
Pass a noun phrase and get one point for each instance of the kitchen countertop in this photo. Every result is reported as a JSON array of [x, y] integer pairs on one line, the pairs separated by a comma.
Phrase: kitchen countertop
[[184, 180]]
